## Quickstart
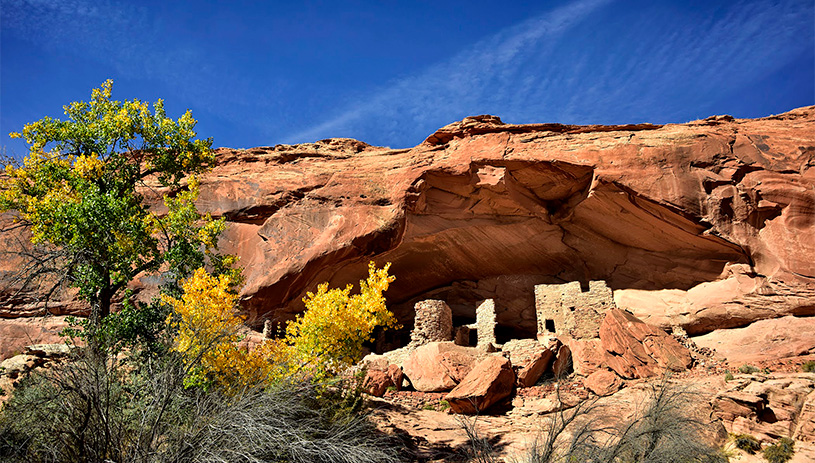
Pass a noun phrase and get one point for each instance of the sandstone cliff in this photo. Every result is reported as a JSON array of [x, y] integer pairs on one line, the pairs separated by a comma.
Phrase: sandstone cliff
[[702, 225]]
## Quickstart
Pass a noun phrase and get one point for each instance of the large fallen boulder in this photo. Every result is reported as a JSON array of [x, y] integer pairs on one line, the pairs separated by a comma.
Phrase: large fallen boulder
[[439, 366], [530, 359], [638, 350], [381, 375], [490, 380], [603, 382]]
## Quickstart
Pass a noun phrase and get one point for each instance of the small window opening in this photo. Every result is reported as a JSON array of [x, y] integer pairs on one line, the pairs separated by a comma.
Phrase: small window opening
[[473, 338], [550, 326]]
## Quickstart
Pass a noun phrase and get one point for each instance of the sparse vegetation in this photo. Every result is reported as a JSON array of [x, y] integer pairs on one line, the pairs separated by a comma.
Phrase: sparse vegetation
[[746, 442], [748, 369], [91, 412], [440, 405], [663, 430], [728, 376], [781, 451], [808, 366], [479, 448]]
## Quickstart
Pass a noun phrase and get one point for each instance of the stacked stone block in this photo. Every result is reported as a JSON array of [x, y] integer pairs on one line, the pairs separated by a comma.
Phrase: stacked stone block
[[567, 310], [433, 322]]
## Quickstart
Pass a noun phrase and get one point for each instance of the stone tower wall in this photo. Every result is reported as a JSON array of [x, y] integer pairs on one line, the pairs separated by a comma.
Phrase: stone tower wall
[[433, 322]]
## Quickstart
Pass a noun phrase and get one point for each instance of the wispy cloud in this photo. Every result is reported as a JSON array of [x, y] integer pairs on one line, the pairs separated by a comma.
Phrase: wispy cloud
[[103, 30], [457, 84], [574, 64], [133, 41]]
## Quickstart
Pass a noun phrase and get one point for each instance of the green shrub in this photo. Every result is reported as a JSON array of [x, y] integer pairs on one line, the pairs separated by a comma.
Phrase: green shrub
[[728, 376], [94, 410], [747, 369], [781, 451], [808, 366], [747, 443]]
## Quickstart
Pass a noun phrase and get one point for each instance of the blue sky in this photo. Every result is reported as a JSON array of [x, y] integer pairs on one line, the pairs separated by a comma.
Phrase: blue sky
[[390, 73]]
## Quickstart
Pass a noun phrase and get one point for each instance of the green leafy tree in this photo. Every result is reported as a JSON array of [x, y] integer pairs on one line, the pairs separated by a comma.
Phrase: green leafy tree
[[81, 192]]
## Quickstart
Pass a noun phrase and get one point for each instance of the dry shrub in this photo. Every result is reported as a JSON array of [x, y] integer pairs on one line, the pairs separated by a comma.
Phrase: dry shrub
[[97, 409]]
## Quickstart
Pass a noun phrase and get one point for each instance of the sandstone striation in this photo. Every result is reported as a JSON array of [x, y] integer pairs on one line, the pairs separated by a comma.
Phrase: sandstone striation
[[704, 225], [637, 350], [769, 408]]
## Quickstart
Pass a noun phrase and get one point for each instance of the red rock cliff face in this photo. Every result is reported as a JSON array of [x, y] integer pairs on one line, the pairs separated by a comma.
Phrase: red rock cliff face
[[486, 209], [706, 224]]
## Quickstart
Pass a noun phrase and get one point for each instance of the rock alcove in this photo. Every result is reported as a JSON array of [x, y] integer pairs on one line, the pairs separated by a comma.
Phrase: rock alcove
[[705, 225], [500, 228]]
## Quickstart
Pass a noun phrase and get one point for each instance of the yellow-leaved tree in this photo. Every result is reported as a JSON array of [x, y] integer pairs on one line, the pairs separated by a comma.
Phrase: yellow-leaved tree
[[207, 335], [324, 340], [329, 335]]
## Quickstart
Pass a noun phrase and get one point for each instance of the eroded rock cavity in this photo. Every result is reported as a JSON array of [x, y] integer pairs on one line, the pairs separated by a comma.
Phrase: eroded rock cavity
[[503, 227]]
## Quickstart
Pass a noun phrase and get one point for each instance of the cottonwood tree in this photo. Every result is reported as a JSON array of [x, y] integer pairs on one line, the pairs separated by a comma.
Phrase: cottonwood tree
[[81, 190]]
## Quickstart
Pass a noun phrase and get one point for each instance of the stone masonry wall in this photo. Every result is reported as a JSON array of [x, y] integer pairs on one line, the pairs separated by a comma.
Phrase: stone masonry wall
[[566, 310], [485, 323], [433, 322]]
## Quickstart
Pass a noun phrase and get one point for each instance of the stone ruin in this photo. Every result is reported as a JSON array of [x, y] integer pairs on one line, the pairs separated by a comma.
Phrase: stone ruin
[[433, 322], [561, 309], [484, 327], [566, 310]]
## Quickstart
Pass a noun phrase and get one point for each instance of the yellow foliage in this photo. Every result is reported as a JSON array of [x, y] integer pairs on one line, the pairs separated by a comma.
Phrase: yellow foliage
[[207, 335], [325, 339], [89, 167], [329, 335]]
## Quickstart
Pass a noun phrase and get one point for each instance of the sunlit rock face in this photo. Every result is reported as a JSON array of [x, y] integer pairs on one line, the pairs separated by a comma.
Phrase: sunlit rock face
[[703, 225]]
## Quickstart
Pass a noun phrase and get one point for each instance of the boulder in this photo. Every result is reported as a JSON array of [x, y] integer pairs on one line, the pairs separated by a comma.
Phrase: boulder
[[763, 340], [436, 366], [587, 355], [377, 382], [397, 375], [14, 367], [457, 364], [380, 374], [638, 350], [48, 350], [562, 365], [603, 382], [529, 359], [769, 408], [490, 380]]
